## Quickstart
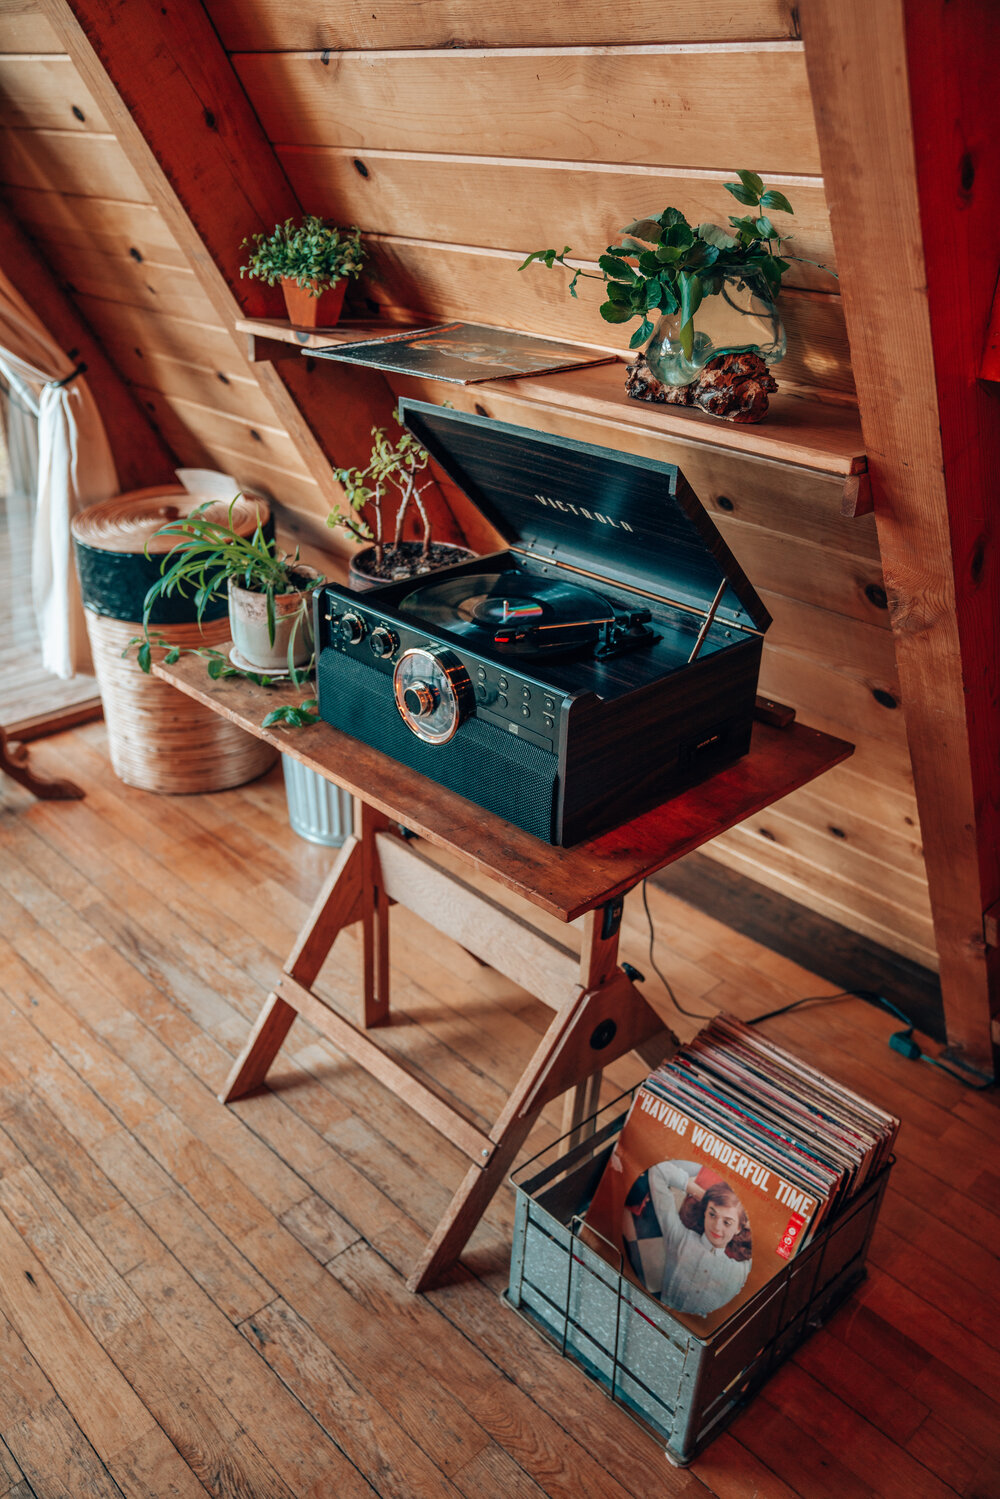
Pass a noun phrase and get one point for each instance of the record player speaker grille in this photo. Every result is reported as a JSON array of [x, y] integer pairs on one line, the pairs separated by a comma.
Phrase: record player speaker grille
[[494, 768]]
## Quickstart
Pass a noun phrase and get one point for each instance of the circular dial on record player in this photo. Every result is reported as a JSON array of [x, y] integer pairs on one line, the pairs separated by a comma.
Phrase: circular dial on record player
[[433, 693]]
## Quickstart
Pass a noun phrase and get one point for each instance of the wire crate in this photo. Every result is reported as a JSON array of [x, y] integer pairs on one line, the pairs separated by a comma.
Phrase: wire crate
[[682, 1388]]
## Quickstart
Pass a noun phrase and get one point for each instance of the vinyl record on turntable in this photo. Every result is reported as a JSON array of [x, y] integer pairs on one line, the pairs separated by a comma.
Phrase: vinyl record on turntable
[[512, 611]]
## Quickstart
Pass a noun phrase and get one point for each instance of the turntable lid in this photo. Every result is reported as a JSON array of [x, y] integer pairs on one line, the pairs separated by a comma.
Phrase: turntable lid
[[629, 519]]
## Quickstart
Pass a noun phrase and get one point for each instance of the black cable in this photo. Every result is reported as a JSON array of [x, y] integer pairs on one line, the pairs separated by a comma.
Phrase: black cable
[[691, 1014], [900, 1041]]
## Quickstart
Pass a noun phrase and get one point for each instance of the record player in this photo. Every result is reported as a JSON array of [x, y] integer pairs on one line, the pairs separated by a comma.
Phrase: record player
[[606, 660]]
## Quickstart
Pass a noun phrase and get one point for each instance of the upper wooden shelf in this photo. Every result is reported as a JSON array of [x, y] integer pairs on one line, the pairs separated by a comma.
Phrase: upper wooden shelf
[[818, 435]]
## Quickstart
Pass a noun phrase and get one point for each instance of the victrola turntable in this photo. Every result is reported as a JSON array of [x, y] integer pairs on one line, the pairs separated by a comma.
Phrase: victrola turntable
[[605, 661]]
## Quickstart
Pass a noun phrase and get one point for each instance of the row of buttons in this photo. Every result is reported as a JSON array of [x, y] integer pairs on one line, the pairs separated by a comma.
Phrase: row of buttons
[[503, 686]]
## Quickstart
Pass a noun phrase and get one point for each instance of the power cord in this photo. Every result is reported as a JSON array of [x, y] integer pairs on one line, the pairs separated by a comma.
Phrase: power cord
[[900, 1041], [691, 1014]]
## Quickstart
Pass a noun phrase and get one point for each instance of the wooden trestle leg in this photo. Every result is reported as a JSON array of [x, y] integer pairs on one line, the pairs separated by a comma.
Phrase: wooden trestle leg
[[599, 1013]]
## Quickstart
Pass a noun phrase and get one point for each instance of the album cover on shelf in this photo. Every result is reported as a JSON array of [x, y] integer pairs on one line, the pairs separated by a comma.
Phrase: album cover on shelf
[[732, 1155], [464, 353]]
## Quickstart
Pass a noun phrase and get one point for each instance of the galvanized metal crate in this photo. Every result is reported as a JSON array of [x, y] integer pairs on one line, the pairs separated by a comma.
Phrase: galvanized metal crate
[[681, 1387]]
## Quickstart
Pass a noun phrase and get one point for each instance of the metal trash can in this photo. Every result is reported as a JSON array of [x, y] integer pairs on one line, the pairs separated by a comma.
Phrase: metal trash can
[[318, 810]]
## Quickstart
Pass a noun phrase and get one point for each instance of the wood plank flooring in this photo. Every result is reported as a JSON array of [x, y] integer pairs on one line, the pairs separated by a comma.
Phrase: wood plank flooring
[[197, 1299]]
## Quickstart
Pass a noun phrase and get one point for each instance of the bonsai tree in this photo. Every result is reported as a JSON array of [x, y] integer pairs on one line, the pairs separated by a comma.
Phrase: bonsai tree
[[390, 478], [313, 254], [664, 265]]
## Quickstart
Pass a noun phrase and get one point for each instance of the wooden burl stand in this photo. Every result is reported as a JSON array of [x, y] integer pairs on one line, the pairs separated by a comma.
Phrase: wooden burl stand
[[599, 1013]]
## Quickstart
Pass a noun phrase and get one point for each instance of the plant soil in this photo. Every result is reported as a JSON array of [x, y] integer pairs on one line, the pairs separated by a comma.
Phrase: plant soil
[[405, 561]]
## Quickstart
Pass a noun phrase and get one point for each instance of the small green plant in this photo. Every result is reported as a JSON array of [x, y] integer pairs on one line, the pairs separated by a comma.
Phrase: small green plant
[[312, 254], [206, 555], [394, 467], [664, 266]]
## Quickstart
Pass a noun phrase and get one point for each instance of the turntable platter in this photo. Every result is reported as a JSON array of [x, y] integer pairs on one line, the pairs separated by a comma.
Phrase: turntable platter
[[512, 612]]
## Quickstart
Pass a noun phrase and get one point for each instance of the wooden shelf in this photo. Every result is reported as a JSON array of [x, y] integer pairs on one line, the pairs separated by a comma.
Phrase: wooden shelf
[[799, 430], [279, 330]]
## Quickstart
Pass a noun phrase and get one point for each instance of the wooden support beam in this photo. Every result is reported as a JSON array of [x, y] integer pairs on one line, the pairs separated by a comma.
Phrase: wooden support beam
[[904, 93], [164, 83], [141, 456], [534, 961]]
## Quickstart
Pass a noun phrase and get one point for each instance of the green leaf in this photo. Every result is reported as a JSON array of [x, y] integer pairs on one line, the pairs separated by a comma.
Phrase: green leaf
[[669, 254], [671, 216], [174, 654], [644, 331], [741, 194], [691, 294], [647, 229], [309, 705], [654, 293], [619, 293], [271, 625], [215, 668], [765, 228], [144, 656], [613, 312], [619, 270], [276, 715], [773, 199], [713, 235], [752, 183], [700, 255], [680, 234]]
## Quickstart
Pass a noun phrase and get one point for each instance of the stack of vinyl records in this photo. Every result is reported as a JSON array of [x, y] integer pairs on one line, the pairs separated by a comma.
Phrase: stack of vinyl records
[[733, 1155]]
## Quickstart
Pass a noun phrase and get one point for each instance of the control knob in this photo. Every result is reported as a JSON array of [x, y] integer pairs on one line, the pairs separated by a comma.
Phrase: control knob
[[352, 628], [384, 642], [420, 699]]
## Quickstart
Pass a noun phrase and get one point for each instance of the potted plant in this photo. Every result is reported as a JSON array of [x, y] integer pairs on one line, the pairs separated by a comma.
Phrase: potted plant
[[312, 261], [269, 591], [667, 268], [380, 496]]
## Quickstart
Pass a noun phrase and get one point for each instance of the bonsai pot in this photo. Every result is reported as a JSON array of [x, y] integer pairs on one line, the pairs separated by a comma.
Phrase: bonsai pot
[[306, 311], [292, 617], [404, 561]]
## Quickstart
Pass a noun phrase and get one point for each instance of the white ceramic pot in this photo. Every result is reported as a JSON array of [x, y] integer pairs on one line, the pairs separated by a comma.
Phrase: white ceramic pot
[[292, 622]]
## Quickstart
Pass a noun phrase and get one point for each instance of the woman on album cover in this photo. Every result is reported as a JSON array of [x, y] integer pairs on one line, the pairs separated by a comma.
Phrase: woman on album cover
[[694, 1258]]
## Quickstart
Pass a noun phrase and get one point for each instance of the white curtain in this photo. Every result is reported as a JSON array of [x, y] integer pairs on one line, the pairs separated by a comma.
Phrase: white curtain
[[75, 469]]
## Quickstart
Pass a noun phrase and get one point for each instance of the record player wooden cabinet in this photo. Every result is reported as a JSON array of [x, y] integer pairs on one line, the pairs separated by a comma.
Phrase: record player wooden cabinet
[[599, 1011], [603, 662]]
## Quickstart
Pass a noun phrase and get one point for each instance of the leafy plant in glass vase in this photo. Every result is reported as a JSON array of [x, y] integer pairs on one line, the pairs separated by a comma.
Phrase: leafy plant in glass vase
[[391, 480], [269, 593], [727, 279], [312, 262]]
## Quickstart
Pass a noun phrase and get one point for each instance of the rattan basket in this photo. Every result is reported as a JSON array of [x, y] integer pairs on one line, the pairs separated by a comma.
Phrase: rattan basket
[[158, 738]]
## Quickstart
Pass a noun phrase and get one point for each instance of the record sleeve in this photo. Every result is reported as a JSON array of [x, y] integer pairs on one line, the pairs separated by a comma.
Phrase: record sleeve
[[694, 1219], [465, 353]]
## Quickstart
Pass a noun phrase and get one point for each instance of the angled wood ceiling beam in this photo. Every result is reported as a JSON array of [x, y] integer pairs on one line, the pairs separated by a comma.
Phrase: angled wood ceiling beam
[[165, 84], [904, 93], [141, 456]]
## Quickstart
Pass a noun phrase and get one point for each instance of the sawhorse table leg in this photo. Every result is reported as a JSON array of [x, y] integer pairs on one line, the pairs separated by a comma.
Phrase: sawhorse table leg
[[599, 1013]]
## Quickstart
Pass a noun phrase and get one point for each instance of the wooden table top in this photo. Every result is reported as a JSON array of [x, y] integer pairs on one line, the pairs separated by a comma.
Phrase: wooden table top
[[563, 881]]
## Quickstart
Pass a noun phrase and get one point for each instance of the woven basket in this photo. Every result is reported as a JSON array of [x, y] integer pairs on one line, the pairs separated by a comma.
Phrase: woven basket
[[159, 739]]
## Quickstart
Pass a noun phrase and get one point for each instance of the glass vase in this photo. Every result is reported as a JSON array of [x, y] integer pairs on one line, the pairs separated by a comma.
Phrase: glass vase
[[740, 318]]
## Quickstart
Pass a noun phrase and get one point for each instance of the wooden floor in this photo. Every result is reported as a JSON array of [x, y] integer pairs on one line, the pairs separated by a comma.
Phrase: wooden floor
[[197, 1299]]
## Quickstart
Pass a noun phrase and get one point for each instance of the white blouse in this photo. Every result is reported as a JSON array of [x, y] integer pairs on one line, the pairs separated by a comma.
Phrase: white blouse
[[697, 1278]]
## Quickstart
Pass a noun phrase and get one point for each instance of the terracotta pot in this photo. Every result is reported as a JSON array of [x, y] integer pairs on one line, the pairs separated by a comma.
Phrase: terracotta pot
[[309, 312], [360, 580], [248, 623]]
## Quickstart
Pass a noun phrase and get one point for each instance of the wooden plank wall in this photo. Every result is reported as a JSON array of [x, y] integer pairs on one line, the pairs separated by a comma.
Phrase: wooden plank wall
[[459, 137], [70, 185]]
